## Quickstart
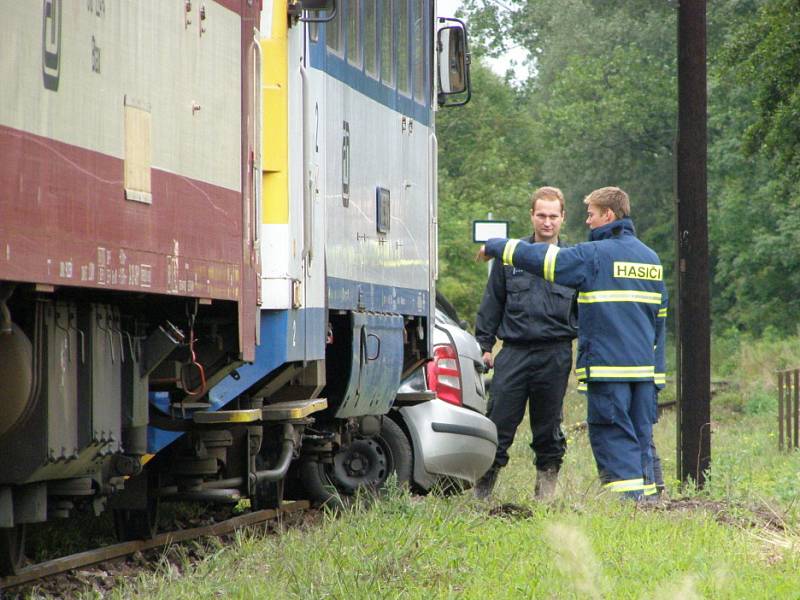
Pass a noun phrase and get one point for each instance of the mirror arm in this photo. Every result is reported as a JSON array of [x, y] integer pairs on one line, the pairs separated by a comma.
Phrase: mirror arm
[[454, 20], [327, 19]]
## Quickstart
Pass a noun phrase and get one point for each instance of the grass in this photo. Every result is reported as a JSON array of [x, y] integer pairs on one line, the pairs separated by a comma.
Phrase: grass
[[584, 545], [739, 537]]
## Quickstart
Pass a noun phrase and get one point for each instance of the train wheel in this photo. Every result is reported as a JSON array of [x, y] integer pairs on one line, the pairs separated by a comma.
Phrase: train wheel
[[365, 464], [12, 549], [137, 524]]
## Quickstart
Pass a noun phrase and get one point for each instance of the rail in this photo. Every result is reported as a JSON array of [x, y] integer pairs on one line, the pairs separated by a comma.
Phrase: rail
[[91, 557], [788, 409]]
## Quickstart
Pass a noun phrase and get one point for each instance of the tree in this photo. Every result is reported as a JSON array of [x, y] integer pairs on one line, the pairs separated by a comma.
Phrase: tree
[[601, 103], [488, 162], [755, 129]]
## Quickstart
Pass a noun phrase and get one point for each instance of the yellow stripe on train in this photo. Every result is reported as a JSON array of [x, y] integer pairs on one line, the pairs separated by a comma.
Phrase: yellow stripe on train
[[275, 119]]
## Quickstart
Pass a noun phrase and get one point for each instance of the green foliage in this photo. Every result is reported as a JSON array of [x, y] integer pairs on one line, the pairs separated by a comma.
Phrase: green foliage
[[767, 53], [755, 155], [736, 538], [585, 545], [602, 106], [488, 162], [745, 369]]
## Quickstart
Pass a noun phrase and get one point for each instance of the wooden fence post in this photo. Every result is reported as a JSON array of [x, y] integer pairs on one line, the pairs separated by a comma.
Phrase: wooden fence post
[[780, 410], [796, 405]]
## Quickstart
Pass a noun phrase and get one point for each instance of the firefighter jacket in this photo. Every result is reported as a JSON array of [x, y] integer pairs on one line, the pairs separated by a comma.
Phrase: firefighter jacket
[[520, 308], [622, 300]]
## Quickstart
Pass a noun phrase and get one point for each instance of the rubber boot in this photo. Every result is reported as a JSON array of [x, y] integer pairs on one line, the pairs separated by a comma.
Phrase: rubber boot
[[546, 480], [485, 484]]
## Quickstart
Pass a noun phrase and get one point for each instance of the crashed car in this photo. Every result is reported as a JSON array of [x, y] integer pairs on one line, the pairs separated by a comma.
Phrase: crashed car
[[436, 432], [441, 407]]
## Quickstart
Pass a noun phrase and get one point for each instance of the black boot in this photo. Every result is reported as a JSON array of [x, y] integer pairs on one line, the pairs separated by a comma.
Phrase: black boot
[[484, 486], [546, 480]]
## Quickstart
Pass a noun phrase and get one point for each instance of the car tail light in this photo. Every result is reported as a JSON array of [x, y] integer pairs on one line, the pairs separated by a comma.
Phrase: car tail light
[[444, 376]]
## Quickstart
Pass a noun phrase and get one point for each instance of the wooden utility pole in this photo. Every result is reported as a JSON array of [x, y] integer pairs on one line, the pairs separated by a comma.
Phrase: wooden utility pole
[[693, 312]]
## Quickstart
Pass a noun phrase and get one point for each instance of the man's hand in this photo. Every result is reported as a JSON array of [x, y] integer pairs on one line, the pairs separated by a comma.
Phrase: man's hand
[[482, 256], [488, 360]]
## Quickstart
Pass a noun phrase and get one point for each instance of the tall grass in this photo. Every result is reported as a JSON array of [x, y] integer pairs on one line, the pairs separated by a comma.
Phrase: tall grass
[[750, 367], [737, 538], [436, 547]]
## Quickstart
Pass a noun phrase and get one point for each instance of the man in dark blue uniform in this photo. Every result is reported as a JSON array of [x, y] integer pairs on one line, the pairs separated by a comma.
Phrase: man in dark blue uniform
[[622, 312], [537, 322]]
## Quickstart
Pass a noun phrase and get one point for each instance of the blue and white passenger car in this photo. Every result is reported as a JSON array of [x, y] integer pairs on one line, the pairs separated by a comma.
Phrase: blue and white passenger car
[[348, 229]]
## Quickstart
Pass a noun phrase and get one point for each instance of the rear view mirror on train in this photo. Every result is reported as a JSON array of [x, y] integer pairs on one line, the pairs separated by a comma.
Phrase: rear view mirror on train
[[454, 60]]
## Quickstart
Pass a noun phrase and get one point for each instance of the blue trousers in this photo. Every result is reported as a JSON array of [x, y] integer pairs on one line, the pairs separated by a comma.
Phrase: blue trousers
[[620, 419]]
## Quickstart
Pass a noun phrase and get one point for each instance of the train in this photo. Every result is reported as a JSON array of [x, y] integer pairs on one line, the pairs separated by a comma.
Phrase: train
[[217, 248]]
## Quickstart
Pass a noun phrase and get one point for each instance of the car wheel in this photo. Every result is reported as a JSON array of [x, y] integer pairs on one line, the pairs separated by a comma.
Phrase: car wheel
[[365, 464], [395, 439]]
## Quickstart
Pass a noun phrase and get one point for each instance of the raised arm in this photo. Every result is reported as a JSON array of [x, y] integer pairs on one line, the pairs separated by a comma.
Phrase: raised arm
[[571, 267]]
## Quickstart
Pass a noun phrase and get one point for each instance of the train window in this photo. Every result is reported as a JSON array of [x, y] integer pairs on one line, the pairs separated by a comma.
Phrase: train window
[[403, 83], [387, 42], [353, 33], [313, 31], [333, 34], [371, 37], [419, 51]]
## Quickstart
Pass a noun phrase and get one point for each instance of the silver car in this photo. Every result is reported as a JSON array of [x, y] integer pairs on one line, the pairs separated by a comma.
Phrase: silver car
[[441, 408]]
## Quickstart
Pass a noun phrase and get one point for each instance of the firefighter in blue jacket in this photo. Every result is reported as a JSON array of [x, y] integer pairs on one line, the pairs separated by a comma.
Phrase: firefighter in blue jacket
[[622, 304]]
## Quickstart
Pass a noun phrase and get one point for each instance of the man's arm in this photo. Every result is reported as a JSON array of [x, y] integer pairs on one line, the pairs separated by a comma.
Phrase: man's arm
[[570, 267], [661, 339], [490, 312]]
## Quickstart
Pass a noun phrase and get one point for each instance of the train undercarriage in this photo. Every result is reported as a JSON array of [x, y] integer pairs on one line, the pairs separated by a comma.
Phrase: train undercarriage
[[112, 404]]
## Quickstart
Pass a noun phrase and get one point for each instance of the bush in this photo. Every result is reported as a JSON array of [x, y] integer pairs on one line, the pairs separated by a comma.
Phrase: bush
[[760, 403]]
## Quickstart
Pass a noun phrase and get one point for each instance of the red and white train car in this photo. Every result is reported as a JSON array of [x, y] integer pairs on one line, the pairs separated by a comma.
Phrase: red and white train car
[[129, 170], [127, 144]]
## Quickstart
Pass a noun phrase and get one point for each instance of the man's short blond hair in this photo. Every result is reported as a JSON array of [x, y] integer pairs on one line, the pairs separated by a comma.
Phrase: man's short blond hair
[[612, 198], [547, 193]]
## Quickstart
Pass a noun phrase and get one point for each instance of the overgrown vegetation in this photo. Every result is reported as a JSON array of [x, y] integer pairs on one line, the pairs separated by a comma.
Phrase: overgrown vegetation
[[739, 537], [600, 108]]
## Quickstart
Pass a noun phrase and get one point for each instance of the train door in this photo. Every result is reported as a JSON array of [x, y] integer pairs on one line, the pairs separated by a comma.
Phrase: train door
[[313, 213], [292, 235]]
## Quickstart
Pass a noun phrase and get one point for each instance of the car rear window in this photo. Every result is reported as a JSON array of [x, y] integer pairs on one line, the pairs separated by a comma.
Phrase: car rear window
[[443, 319]]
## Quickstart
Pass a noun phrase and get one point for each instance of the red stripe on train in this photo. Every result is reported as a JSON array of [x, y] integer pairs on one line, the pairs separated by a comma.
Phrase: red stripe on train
[[64, 220]]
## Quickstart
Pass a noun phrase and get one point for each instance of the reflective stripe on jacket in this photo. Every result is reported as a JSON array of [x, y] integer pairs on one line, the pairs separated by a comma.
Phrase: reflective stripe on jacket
[[622, 299]]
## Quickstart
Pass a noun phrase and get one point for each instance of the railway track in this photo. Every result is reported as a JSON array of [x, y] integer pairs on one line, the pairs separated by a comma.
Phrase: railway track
[[92, 557]]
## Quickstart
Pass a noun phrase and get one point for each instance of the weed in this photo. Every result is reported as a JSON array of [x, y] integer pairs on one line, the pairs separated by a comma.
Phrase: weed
[[737, 537]]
